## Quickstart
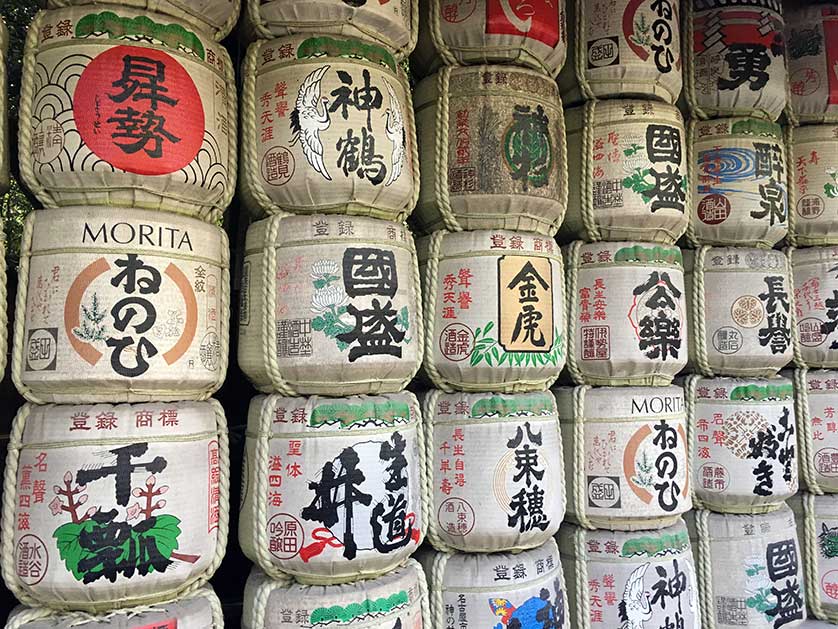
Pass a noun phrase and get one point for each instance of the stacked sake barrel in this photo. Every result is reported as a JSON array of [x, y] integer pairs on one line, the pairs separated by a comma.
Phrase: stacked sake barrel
[[115, 501], [813, 235], [493, 194], [741, 417], [330, 326], [623, 424]]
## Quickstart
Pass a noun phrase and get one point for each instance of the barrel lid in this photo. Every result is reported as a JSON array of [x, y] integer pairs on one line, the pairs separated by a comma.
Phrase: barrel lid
[[621, 110], [730, 127], [622, 403], [498, 242], [814, 255], [756, 527], [477, 570], [626, 546], [745, 390], [494, 406], [292, 49]]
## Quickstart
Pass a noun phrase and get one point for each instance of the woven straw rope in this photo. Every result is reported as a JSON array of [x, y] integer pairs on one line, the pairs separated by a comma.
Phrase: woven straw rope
[[7, 562], [579, 493], [160, 394], [704, 569], [207, 213], [690, 385], [572, 307], [810, 558], [580, 559], [796, 345], [791, 187], [429, 294], [692, 237], [806, 464], [592, 231], [441, 194], [4, 342], [702, 361]]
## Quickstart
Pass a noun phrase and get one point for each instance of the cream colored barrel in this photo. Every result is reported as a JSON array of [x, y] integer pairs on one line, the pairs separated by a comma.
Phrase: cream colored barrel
[[301, 454], [218, 17], [814, 185], [748, 566], [627, 317], [621, 48], [494, 304], [122, 107], [494, 479], [483, 31], [625, 456], [393, 25], [330, 305], [817, 530], [119, 305], [107, 507], [816, 305], [812, 47], [736, 63], [740, 311], [738, 175], [397, 599], [327, 126], [816, 405], [524, 589], [198, 610], [628, 159], [619, 579], [492, 149], [742, 443]]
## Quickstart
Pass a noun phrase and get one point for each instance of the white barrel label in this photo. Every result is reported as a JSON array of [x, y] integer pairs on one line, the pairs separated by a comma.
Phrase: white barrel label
[[816, 303], [745, 443]]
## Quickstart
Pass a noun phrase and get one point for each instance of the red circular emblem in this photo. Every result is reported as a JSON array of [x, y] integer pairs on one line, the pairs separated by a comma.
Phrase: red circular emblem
[[139, 110]]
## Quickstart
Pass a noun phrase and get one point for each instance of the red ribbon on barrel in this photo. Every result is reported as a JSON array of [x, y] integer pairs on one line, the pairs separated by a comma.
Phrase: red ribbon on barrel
[[323, 538]]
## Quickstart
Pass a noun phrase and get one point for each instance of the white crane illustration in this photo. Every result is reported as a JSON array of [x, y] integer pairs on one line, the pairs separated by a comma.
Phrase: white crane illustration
[[307, 122], [635, 609], [395, 133]]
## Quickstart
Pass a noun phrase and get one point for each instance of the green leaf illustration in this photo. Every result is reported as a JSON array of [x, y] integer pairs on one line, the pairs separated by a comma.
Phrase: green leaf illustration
[[165, 533]]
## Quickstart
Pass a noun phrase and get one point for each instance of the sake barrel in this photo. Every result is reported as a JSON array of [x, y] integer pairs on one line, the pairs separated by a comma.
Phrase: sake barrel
[[119, 305], [217, 17], [627, 318], [740, 310], [630, 579], [750, 569], [813, 185], [812, 45], [330, 305], [630, 157], [332, 488], [452, 32], [816, 304], [743, 441], [124, 107], [497, 454], [816, 518], [492, 149], [739, 183], [736, 65], [108, 507], [397, 599], [392, 25], [815, 404], [327, 126], [524, 589], [198, 610], [625, 456], [494, 302], [622, 48]]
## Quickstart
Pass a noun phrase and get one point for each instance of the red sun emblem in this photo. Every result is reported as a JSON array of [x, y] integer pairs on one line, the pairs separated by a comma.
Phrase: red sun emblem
[[139, 110]]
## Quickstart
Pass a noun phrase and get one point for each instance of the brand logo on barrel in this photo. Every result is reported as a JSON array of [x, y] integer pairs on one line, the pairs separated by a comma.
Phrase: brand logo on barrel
[[535, 19], [525, 304], [42, 349], [603, 52], [604, 492], [139, 110], [100, 541], [131, 329], [527, 150], [653, 461], [653, 34]]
